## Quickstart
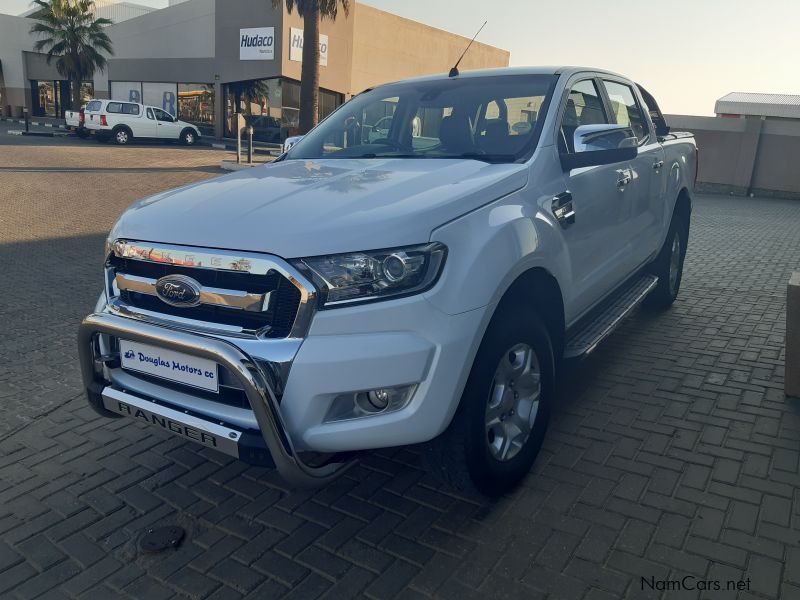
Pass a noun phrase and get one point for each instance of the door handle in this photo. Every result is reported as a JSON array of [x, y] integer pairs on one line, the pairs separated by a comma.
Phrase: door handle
[[658, 164], [563, 210], [625, 178]]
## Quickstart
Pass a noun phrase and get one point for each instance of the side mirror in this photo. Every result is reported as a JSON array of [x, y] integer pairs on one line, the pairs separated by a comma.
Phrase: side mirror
[[291, 141], [600, 145]]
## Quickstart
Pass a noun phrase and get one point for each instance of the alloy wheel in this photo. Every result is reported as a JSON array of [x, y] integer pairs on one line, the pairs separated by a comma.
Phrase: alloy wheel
[[513, 402]]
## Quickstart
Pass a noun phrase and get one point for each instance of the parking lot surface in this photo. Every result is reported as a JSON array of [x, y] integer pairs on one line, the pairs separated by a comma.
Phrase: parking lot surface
[[672, 451]]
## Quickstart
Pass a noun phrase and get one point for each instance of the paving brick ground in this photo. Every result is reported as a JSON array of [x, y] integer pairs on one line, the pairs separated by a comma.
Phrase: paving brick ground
[[673, 451]]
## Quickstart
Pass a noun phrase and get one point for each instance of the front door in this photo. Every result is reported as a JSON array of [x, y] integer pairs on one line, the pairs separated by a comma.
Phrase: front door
[[168, 128], [596, 239]]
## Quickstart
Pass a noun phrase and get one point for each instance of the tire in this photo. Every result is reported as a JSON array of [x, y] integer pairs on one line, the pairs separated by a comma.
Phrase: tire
[[122, 136], [668, 266], [469, 454], [188, 137]]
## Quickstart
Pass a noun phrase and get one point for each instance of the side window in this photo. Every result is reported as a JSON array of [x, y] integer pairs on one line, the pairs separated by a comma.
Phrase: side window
[[150, 114], [625, 108], [130, 109], [584, 107], [162, 116], [114, 107]]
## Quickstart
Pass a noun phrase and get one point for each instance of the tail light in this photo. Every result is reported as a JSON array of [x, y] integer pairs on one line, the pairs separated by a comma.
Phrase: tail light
[[103, 121], [81, 117]]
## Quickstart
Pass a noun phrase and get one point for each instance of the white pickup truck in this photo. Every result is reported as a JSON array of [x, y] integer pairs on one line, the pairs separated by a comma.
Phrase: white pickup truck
[[123, 122], [74, 120], [421, 286]]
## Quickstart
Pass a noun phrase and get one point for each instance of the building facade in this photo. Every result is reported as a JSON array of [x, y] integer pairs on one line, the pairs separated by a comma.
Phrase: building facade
[[207, 60]]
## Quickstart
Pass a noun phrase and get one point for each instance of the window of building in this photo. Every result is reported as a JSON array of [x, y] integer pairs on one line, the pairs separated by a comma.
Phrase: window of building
[[271, 106], [259, 101], [196, 105], [626, 109], [47, 94]]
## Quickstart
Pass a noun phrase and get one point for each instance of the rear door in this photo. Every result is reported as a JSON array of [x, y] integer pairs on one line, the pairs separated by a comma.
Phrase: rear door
[[644, 204], [168, 127], [596, 237]]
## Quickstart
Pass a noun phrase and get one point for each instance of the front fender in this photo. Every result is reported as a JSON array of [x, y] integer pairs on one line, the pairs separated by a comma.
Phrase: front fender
[[488, 249]]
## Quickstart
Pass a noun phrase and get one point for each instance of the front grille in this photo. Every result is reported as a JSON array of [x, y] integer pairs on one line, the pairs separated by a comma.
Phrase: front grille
[[275, 322], [230, 392]]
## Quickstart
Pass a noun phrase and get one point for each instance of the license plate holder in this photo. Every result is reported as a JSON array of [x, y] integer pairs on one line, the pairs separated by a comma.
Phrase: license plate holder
[[169, 365]]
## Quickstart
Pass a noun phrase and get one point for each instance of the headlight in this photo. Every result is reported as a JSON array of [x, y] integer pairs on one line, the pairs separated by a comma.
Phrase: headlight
[[376, 274]]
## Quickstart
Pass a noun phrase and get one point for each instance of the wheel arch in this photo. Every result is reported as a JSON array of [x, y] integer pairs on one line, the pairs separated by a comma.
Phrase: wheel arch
[[538, 289]]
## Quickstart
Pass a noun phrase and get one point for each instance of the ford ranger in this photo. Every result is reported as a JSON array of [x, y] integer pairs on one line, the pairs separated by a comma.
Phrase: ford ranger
[[413, 271]]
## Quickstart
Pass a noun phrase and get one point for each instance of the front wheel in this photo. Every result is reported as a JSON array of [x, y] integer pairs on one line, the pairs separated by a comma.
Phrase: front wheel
[[188, 138], [668, 266], [501, 420]]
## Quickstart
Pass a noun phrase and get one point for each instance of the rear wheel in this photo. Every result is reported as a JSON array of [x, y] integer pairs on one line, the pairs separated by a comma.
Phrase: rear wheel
[[122, 136], [501, 420], [668, 266]]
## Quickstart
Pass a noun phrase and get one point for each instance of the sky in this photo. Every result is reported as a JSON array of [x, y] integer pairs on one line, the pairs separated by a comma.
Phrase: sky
[[687, 53]]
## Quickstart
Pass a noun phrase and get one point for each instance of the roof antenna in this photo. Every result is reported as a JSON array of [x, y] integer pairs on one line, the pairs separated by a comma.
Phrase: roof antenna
[[454, 70]]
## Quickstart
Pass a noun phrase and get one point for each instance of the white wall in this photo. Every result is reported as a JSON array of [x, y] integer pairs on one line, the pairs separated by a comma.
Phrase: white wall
[[182, 31], [14, 38]]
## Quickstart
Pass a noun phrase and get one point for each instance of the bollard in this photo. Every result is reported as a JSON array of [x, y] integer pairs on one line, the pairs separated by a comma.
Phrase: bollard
[[792, 374], [250, 145], [239, 146], [241, 122], [27, 119]]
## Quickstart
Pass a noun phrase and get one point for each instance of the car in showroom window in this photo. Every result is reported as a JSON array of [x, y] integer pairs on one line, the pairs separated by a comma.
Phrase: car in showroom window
[[493, 121]]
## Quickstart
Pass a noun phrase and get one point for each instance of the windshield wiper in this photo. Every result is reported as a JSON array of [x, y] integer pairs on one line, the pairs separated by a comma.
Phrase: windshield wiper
[[489, 158], [374, 155]]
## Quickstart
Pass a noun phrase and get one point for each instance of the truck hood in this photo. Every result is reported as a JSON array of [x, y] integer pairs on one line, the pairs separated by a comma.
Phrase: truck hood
[[301, 208]]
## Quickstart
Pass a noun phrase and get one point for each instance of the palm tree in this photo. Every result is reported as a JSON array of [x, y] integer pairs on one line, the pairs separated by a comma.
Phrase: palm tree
[[311, 11], [71, 34]]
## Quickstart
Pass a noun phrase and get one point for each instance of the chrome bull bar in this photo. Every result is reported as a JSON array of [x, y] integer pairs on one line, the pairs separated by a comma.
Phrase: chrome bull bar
[[259, 394]]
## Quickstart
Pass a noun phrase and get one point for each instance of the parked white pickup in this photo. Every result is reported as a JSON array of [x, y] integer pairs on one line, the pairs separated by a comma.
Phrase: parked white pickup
[[125, 121]]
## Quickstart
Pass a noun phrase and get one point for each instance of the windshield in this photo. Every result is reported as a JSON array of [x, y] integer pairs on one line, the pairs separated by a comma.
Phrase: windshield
[[487, 118]]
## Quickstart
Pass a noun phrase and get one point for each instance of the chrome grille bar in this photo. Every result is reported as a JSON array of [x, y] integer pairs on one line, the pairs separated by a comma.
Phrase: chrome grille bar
[[226, 261], [208, 295]]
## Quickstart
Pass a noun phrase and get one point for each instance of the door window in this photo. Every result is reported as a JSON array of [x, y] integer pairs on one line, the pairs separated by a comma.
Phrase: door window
[[162, 115], [150, 114], [584, 107], [626, 109]]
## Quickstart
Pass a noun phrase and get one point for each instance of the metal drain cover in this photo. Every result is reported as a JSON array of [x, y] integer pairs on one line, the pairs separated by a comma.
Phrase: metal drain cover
[[161, 538]]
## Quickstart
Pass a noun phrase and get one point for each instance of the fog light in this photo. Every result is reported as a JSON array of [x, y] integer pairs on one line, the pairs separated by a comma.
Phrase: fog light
[[369, 402], [379, 398]]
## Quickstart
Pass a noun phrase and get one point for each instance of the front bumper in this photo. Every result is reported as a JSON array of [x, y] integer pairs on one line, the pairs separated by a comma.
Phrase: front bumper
[[254, 380]]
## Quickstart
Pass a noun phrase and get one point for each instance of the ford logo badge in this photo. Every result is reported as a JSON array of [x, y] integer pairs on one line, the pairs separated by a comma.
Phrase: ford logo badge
[[178, 290]]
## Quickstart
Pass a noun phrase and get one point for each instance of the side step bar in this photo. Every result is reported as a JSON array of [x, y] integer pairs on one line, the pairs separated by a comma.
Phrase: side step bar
[[598, 326]]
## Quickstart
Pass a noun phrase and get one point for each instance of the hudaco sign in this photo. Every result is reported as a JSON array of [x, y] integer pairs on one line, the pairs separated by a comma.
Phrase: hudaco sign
[[257, 43], [296, 46]]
